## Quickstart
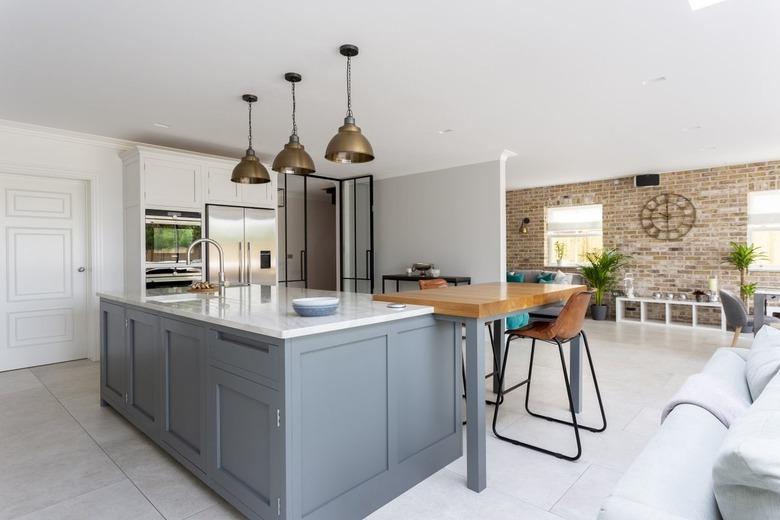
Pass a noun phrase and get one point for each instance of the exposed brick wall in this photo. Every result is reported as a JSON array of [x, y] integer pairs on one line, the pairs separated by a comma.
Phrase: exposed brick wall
[[719, 194]]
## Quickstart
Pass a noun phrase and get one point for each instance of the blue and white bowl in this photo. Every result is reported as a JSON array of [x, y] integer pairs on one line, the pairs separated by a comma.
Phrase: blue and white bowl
[[311, 307]]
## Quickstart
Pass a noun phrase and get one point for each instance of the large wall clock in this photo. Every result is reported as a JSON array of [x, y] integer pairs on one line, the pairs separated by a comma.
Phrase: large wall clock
[[668, 216]]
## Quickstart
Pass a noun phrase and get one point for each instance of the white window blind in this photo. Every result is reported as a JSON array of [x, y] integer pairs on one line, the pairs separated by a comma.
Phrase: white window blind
[[577, 228], [764, 226]]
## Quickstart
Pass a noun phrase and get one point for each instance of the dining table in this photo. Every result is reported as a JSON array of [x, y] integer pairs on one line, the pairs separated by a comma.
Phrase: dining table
[[474, 306]]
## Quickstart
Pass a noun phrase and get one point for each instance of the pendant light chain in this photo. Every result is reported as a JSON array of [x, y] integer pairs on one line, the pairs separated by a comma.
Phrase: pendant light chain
[[250, 125], [349, 86], [295, 125]]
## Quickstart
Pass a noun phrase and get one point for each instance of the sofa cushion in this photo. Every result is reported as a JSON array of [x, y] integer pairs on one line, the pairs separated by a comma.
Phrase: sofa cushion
[[545, 277], [763, 360], [515, 277], [563, 278], [727, 365], [746, 473], [672, 477]]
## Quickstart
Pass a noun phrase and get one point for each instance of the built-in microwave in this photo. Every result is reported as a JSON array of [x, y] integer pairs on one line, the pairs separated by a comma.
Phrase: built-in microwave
[[168, 236]]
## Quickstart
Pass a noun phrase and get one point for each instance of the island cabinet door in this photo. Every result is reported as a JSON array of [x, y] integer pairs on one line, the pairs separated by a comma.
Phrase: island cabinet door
[[246, 443], [183, 389], [143, 354], [113, 355]]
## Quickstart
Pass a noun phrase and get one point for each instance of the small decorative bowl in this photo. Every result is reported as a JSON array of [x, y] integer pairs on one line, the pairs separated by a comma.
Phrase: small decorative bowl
[[312, 307]]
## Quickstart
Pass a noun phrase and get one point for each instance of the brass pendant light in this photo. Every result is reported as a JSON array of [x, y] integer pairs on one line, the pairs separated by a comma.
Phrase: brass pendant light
[[349, 145], [250, 170], [293, 158]]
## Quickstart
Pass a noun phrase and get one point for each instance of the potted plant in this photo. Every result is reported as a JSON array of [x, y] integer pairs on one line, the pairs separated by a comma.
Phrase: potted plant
[[560, 251], [600, 270], [742, 256]]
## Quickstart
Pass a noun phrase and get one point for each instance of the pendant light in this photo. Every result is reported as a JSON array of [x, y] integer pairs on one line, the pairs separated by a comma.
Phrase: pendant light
[[250, 170], [349, 145], [293, 158]]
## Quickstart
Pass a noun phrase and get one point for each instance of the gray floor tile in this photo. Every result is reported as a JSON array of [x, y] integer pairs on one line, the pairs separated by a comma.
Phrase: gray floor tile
[[17, 380], [583, 500]]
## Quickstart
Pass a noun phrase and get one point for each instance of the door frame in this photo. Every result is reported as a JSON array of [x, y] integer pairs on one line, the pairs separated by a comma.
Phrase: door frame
[[340, 237], [94, 240]]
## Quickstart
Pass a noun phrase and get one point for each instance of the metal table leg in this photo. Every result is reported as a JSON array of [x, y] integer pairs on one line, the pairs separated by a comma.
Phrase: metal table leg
[[476, 474], [759, 308], [575, 373], [397, 286], [498, 350]]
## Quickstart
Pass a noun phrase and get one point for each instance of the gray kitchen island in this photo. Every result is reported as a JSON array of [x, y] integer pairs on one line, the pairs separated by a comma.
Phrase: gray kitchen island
[[283, 416]]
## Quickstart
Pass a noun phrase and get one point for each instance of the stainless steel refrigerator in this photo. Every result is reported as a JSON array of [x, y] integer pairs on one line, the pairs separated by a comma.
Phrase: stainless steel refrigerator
[[248, 237]]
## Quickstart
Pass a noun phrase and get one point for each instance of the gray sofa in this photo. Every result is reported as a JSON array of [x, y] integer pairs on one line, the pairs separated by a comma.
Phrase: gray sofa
[[552, 310], [695, 467]]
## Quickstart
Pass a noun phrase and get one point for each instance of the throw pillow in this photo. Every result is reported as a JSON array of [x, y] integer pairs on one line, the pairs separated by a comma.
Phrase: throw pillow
[[763, 360], [515, 277], [563, 278], [517, 321], [746, 472], [545, 277]]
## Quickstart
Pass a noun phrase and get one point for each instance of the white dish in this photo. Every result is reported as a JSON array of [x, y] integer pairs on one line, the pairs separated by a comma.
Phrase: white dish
[[322, 301]]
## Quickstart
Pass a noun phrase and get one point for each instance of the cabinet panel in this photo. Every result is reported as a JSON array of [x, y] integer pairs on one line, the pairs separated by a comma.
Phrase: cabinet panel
[[183, 390], [219, 187], [143, 352], [246, 440], [261, 195], [172, 183], [113, 366]]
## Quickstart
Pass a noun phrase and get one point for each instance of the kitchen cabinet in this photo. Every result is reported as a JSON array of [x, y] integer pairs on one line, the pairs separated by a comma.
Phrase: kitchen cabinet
[[260, 195], [113, 355], [246, 440], [219, 188], [143, 360], [183, 389], [174, 183]]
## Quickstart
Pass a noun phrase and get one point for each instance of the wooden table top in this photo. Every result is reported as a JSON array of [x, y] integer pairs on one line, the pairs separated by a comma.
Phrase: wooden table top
[[485, 299]]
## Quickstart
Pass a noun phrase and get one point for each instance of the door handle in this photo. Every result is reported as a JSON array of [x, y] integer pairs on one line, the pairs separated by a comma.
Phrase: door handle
[[82, 269], [240, 264], [304, 272], [249, 262]]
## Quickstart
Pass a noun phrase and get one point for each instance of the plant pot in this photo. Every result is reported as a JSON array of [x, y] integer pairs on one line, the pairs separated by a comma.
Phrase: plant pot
[[598, 312]]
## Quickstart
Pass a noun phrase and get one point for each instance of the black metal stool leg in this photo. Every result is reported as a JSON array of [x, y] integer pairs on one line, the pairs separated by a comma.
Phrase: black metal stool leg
[[571, 408]]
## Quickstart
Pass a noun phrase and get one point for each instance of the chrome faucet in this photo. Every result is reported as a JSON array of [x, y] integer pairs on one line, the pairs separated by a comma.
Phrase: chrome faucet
[[221, 256]]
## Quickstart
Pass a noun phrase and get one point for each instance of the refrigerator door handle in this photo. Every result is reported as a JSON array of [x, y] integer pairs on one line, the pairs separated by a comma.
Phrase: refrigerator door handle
[[249, 262], [240, 264]]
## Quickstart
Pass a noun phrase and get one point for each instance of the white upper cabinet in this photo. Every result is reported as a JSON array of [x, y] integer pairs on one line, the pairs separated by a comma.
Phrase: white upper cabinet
[[172, 182], [219, 188], [260, 195]]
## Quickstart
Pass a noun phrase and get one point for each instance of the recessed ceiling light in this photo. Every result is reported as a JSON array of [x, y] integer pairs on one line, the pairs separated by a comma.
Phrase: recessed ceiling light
[[657, 79], [161, 125], [691, 128], [445, 131], [701, 4]]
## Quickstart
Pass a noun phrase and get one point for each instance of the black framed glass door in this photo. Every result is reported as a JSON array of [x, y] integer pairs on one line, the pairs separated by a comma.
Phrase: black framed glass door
[[301, 233]]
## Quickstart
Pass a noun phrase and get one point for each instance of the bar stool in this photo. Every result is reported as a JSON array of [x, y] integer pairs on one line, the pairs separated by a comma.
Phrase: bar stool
[[566, 327]]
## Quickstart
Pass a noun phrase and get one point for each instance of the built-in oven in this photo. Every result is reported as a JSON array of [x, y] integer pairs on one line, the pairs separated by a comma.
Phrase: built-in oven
[[168, 236]]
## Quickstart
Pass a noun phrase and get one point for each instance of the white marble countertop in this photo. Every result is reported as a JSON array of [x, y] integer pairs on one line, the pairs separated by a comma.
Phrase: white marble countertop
[[267, 309]]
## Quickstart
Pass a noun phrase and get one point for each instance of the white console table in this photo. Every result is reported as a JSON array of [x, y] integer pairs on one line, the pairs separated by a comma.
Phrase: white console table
[[620, 307]]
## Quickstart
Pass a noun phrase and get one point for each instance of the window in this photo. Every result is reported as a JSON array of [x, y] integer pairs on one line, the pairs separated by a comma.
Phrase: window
[[764, 226], [577, 228]]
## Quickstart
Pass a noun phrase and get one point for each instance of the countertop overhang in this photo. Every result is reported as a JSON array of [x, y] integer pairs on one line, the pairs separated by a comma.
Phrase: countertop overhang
[[267, 310]]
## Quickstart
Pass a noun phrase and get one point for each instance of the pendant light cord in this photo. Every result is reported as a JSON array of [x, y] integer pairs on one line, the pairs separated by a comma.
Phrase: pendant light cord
[[295, 125], [349, 86], [250, 125]]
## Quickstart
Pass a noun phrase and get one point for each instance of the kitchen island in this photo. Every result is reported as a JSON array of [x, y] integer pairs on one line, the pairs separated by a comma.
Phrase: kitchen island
[[284, 416]]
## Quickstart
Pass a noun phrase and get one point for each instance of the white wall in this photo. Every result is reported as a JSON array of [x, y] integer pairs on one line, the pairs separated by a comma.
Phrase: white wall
[[30, 150], [450, 217]]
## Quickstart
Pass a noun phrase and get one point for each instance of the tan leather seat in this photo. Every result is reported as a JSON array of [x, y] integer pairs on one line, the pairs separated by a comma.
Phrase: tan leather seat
[[433, 283]]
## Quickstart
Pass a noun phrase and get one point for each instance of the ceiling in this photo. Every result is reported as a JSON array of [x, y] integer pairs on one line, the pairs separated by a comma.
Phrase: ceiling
[[558, 83]]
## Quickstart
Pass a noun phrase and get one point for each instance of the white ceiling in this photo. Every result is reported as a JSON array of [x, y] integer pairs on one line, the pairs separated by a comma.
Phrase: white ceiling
[[559, 83]]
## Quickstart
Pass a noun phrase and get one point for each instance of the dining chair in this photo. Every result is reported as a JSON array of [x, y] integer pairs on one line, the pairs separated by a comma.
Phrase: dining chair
[[737, 316], [566, 327]]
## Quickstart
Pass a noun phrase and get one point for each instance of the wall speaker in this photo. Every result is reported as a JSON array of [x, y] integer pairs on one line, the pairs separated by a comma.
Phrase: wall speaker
[[649, 179]]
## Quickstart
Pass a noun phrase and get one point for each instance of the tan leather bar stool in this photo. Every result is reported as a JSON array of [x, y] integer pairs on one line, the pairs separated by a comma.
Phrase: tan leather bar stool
[[566, 327]]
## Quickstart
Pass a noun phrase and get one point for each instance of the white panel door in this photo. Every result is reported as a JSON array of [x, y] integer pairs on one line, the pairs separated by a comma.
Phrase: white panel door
[[43, 271]]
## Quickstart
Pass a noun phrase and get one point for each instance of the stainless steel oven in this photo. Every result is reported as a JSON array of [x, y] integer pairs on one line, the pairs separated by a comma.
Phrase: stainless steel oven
[[168, 236]]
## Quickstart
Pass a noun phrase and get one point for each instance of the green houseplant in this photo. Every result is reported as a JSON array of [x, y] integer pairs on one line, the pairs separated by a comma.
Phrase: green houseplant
[[560, 251], [742, 256], [600, 270]]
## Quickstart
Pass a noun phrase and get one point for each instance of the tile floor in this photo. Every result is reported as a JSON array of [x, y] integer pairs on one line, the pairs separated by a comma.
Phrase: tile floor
[[65, 457]]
